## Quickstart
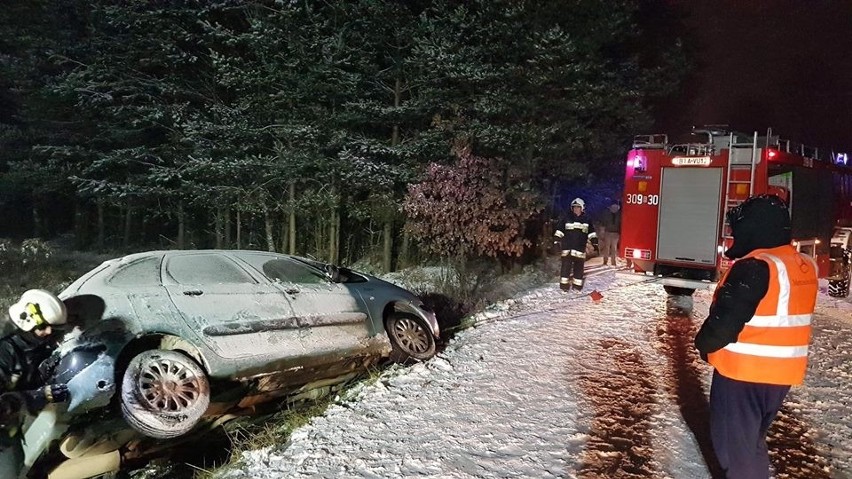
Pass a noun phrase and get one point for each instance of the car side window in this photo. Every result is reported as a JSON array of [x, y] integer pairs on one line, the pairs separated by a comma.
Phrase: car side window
[[285, 270], [143, 272], [206, 269]]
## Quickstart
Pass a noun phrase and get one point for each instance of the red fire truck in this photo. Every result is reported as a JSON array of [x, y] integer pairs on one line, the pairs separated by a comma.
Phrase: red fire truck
[[676, 196]]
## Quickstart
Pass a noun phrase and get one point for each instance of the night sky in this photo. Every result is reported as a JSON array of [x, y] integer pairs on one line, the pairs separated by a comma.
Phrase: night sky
[[782, 64]]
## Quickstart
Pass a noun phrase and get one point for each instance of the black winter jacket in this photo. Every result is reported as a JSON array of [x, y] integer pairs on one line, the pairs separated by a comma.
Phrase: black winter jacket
[[762, 226], [21, 353], [611, 222]]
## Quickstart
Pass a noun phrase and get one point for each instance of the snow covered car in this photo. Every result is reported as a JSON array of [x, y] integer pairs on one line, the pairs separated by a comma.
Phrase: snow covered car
[[171, 340], [839, 262]]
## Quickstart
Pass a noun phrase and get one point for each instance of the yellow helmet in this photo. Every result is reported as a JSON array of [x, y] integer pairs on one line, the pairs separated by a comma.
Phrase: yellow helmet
[[38, 308]]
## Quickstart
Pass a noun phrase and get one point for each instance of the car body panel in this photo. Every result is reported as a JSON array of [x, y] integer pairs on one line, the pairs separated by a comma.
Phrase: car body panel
[[327, 315], [234, 315]]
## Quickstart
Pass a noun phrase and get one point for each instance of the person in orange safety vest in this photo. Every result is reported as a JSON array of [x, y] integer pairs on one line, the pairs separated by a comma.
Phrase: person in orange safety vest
[[757, 333]]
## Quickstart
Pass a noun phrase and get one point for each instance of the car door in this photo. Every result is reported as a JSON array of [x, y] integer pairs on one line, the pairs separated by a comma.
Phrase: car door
[[237, 314], [332, 320]]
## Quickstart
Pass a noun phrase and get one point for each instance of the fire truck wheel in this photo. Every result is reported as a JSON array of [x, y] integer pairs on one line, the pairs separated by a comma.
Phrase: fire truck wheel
[[838, 289], [675, 291]]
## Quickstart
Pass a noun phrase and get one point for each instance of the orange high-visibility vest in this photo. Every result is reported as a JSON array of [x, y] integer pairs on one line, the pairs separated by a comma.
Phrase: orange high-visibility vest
[[772, 348]]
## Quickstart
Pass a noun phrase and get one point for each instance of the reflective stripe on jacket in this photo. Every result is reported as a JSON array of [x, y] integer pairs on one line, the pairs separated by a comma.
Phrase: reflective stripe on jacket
[[772, 348]]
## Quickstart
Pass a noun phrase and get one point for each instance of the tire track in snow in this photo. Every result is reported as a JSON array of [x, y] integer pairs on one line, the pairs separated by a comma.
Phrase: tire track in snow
[[621, 393], [676, 331]]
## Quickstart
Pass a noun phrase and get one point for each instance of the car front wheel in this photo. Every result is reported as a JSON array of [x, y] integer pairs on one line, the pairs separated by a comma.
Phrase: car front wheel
[[410, 338], [164, 393]]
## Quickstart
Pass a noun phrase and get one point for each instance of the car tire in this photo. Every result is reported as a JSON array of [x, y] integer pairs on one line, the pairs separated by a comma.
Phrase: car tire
[[410, 337], [676, 291], [164, 393], [838, 289]]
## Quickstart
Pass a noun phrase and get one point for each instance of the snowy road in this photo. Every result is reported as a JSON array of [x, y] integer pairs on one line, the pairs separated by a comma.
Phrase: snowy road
[[555, 385]]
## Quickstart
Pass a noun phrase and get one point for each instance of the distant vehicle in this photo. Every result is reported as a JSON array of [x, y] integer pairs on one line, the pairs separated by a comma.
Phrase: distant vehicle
[[676, 195], [840, 258], [174, 341]]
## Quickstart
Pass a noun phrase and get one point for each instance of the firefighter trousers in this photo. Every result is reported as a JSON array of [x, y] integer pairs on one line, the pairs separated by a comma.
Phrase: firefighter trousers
[[571, 274], [740, 415]]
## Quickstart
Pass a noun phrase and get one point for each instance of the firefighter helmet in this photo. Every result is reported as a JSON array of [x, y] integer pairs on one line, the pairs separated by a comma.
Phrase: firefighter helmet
[[38, 308], [578, 202]]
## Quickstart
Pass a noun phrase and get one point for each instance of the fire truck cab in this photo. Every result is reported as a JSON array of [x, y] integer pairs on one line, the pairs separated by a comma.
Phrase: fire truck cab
[[676, 196]]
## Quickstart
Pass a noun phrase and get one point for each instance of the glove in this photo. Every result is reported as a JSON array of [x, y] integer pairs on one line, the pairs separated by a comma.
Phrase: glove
[[46, 368], [52, 393], [559, 234]]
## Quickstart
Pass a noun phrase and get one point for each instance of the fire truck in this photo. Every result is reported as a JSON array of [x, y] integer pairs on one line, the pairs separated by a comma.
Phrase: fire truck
[[676, 195]]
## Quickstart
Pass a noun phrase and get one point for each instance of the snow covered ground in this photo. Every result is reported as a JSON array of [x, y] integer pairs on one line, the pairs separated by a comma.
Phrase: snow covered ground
[[553, 384]]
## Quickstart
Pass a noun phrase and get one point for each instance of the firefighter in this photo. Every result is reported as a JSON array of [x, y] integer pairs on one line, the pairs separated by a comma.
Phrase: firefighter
[[757, 333], [22, 389], [578, 230]]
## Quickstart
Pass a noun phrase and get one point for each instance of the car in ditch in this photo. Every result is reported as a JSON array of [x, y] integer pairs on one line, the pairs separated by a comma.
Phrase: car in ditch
[[170, 342]]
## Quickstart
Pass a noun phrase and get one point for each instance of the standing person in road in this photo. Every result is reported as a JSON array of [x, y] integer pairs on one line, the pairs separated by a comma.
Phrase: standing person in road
[[578, 230], [757, 333], [611, 225], [22, 388]]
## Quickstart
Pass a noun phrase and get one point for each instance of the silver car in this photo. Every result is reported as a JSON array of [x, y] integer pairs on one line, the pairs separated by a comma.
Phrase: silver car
[[171, 339]]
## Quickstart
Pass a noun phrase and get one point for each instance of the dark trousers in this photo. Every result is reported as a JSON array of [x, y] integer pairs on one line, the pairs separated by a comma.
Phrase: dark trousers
[[571, 272], [11, 456], [740, 415]]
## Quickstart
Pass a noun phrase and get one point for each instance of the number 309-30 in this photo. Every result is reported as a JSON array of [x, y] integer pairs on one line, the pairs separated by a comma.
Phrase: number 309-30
[[640, 199]]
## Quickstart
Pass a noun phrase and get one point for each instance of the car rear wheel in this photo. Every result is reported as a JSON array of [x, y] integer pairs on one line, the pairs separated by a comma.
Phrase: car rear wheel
[[838, 289], [164, 393], [410, 337]]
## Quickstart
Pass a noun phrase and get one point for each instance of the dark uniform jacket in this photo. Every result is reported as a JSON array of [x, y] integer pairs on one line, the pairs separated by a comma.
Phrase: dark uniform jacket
[[21, 353], [576, 230], [611, 222]]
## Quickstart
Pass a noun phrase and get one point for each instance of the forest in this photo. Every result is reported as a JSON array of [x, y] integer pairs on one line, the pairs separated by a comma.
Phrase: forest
[[343, 130]]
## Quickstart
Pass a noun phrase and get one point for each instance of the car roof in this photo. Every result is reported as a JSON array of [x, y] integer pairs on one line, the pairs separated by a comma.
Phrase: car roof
[[107, 268]]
